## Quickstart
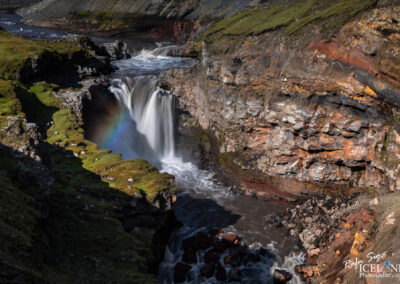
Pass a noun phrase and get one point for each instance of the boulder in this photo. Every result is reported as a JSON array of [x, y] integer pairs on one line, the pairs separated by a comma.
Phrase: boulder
[[181, 271], [234, 275], [211, 257], [230, 239], [220, 273], [197, 242], [189, 256], [281, 276], [208, 270], [117, 50]]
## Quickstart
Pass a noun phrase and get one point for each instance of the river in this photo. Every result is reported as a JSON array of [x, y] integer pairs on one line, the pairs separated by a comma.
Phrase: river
[[146, 127]]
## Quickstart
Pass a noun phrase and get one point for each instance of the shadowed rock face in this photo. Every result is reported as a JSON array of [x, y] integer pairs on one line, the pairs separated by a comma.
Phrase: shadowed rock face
[[63, 200], [190, 10], [323, 113], [165, 20], [16, 4]]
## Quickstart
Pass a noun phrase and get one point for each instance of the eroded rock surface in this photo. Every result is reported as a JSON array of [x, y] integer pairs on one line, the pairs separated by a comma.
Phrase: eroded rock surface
[[323, 114]]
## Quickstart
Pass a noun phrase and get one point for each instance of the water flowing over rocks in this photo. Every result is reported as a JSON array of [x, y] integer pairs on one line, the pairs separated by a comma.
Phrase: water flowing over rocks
[[218, 255], [279, 113]]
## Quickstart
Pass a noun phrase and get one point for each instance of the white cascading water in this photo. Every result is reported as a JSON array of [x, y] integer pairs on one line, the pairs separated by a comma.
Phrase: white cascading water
[[204, 203], [152, 111]]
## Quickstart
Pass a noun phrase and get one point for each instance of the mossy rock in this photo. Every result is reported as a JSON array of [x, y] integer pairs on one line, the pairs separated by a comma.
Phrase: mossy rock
[[15, 50], [292, 17], [72, 233]]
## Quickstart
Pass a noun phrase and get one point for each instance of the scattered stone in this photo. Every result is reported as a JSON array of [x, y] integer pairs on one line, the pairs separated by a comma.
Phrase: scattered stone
[[228, 259], [211, 257], [220, 274], [390, 219], [117, 50], [230, 238], [281, 276], [359, 243], [299, 268], [308, 271], [208, 270], [199, 241], [234, 275], [173, 198], [313, 252], [375, 201]]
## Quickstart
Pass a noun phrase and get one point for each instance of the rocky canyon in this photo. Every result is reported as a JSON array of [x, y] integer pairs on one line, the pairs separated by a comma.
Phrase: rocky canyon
[[294, 103]]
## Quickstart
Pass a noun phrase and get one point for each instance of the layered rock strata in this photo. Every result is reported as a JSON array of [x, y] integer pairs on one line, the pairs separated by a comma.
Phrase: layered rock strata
[[316, 113]]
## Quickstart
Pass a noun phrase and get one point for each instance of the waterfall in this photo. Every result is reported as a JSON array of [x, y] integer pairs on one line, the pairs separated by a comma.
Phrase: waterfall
[[151, 109], [144, 128]]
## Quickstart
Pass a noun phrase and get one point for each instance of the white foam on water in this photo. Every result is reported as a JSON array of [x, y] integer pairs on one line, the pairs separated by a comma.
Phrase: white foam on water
[[151, 111]]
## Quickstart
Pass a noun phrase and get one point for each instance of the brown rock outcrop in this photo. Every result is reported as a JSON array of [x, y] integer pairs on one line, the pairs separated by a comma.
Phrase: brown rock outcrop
[[303, 116]]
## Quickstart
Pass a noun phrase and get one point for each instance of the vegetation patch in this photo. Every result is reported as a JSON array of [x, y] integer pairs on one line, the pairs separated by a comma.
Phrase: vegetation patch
[[103, 20], [293, 16], [15, 50], [73, 233]]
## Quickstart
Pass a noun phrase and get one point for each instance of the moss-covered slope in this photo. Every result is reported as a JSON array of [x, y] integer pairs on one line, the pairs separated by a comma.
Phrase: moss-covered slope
[[292, 17], [68, 229]]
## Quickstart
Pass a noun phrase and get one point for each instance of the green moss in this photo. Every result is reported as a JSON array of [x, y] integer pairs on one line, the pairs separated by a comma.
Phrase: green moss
[[74, 234], [337, 14], [385, 156], [9, 103], [14, 51], [228, 22], [369, 190], [85, 13], [103, 20], [294, 16], [226, 162], [205, 138], [22, 243]]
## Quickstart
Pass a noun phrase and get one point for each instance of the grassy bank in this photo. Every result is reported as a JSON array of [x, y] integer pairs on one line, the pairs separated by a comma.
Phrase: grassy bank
[[290, 17], [71, 232]]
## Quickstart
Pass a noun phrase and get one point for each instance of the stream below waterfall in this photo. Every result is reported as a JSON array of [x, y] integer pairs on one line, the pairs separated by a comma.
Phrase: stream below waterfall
[[146, 129]]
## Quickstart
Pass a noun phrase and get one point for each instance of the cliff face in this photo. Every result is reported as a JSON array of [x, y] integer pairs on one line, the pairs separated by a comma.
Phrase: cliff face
[[64, 201], [300, 111], [16, 4], [173, 20]]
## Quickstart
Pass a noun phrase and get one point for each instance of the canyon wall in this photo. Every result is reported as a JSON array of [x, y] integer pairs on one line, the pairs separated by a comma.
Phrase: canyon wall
[[16, 4], [304, 111], [299, 95], [171, 20]]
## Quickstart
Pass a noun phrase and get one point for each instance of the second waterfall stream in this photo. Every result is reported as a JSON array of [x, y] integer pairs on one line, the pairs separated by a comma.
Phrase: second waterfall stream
[[146, 129]]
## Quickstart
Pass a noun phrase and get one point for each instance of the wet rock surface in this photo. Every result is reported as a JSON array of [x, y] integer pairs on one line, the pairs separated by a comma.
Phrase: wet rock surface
[[221, 256], [117, 50], [281, 276]]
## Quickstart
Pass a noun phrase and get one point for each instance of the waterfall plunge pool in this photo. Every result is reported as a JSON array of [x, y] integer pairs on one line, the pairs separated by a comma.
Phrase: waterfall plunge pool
[[145, 127]]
